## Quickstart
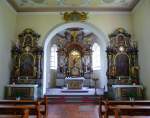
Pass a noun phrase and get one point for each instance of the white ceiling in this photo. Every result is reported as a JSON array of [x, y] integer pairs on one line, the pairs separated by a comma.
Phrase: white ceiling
[[68, 5]]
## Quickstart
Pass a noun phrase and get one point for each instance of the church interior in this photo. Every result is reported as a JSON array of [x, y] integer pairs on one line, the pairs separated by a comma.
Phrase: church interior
[[74, 58]]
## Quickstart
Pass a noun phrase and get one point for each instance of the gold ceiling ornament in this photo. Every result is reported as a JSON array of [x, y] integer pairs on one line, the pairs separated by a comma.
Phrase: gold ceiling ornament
[[75, 16]]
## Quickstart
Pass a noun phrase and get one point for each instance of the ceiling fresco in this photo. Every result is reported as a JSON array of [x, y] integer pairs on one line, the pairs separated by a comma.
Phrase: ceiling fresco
[[68, 5]]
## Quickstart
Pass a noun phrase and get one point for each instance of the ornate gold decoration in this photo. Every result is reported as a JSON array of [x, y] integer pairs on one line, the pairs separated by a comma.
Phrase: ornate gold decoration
[[26, 58], [120, 29], [75, 16]]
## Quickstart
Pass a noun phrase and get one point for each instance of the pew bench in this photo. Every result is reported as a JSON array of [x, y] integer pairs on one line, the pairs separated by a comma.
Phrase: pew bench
[[134, 108], [16, 107], [130, 110], [23, 110]]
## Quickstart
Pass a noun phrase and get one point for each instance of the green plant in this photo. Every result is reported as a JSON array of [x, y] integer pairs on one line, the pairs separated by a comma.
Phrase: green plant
[[19, 94], [132, 95]]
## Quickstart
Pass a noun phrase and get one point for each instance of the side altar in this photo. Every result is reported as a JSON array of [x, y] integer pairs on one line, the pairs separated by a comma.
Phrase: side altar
[[74, 82], [123, 67], [26, 67]]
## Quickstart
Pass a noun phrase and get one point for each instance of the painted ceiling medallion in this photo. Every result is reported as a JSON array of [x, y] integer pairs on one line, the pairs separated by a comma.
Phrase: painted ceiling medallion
[[73, 2]]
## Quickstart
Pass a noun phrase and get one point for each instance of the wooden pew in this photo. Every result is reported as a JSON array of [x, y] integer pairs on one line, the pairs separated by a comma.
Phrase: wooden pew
[[143, 110], [44, 105], [24, 110], [34, 107], [102, 106], [138, 107]]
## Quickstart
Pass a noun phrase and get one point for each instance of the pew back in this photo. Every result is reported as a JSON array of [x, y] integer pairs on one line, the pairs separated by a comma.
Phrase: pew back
[[35, 107], [138, 107]]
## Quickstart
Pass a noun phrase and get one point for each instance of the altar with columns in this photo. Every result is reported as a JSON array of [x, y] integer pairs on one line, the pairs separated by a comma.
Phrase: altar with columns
[[74, 55]]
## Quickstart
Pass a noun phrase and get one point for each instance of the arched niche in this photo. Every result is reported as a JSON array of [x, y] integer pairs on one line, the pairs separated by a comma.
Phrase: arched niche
[[102, 40]]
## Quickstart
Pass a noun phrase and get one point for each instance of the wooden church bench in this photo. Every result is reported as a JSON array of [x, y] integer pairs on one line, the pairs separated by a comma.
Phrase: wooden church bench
[[35, 107], [129, 110], [138, 107], [11, 110], [44, 106]]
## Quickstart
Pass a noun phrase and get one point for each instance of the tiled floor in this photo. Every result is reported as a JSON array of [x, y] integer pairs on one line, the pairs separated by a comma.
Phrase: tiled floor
[[72, 111], [77, 111]]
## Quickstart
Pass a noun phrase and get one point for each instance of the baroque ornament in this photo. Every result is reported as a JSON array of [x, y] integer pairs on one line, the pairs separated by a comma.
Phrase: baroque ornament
[[75, 16]]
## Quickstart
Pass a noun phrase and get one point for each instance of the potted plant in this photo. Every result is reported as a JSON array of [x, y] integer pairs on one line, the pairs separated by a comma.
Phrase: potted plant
[[18, 95], [132, 96]]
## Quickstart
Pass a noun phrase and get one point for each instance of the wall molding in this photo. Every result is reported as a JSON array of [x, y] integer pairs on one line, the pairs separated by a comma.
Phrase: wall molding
[[10, 7], [137, 6], [60, 13]]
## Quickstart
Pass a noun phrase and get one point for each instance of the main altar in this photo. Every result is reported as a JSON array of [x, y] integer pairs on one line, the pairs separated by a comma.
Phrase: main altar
[[74, 82], [74, 55]]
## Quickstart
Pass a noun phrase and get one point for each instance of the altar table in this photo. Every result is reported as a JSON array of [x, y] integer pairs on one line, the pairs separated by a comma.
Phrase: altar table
[[74, 82]]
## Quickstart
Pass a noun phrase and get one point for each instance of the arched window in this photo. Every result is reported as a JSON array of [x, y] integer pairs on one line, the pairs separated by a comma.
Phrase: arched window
[[53, 57], [96, 62]]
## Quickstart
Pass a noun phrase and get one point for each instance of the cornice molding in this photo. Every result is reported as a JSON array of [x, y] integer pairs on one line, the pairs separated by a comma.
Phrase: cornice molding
[[60, 13], [137, 6], [10, 7]]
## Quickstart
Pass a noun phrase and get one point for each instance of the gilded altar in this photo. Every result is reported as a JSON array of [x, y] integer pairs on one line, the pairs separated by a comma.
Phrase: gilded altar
[[74, 55], [26, 70], [122, 56], [122, 66], [26, 59]]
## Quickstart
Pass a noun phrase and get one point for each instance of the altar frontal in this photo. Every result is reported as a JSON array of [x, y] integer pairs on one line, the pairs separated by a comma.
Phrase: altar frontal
[[74, 82]]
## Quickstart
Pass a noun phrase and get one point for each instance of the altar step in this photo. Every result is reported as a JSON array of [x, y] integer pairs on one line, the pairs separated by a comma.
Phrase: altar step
[[82, 90], [72, 99], [57, 95]]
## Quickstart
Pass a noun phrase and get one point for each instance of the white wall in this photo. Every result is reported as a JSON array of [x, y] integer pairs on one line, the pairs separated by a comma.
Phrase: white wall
[[7, 33], [141, 25], [44, 22]]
